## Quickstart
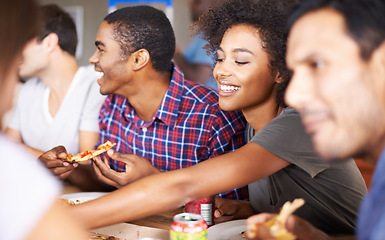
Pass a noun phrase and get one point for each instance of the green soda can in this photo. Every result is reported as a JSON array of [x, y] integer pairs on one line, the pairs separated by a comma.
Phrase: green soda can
[[188, 226]]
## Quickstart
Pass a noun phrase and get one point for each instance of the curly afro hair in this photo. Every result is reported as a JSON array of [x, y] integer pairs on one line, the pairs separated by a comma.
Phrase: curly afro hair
[[268, 16]]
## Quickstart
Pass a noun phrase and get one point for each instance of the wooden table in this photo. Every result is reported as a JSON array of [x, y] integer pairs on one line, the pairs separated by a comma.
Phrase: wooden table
[[156, 226], [161, 221]]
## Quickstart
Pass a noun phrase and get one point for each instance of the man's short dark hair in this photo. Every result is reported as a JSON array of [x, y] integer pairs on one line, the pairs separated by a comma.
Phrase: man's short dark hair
[[365, 20], [144, 27], [56, 20]]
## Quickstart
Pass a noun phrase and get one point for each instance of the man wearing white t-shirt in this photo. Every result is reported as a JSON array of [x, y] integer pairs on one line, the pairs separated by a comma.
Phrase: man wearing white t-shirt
[[60, 105]]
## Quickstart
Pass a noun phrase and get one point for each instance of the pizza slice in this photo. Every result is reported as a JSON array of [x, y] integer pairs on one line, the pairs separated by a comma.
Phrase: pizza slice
[[103, 148], [87, 155], [277, 225]]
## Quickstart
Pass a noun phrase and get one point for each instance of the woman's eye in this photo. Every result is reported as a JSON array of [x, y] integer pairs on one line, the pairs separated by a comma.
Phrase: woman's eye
[[219, 59], [241, 62]]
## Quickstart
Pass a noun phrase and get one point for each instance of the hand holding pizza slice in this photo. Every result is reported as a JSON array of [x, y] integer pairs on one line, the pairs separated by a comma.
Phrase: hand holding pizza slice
[[277, 225], [86, 155]]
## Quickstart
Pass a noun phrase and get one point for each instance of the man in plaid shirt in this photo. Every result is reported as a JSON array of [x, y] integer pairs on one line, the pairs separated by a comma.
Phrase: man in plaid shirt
[[188, 127], [182, 123], [158, 120]]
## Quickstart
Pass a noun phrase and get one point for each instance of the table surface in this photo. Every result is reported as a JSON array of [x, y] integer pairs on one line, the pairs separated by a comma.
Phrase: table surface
[[153, 226]]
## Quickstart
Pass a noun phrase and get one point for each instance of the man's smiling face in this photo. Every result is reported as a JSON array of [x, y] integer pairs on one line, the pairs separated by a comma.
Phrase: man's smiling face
[[116, 69]]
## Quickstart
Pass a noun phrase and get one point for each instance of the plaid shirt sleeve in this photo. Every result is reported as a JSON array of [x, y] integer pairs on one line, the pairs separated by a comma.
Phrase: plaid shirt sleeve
[[228, 134]]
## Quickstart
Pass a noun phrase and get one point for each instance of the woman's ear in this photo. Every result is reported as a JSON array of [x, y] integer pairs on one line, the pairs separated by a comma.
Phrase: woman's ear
[[140, 59], [278, 78]]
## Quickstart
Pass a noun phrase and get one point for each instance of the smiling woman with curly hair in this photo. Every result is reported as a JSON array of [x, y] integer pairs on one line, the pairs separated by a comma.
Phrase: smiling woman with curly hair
[[267, 17], [279, 163]]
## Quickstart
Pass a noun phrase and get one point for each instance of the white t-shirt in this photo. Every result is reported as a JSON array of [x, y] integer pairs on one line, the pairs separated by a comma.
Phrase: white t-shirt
[[27, 190], [79, 111]]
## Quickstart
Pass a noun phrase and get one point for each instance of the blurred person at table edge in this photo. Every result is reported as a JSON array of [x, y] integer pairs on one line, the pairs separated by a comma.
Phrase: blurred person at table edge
[[159, 120], [250, 41], [28, 205], [60, 105], [338, 87], [195, 63]]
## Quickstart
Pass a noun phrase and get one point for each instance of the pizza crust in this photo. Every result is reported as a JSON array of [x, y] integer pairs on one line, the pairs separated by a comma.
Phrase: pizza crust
[[87, 155], [277, 225]]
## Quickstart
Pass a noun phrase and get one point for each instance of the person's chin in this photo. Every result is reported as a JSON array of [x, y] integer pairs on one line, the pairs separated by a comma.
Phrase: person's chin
[[226, 106], [23, 75], [324, 152], [103, 91], [328, 147]]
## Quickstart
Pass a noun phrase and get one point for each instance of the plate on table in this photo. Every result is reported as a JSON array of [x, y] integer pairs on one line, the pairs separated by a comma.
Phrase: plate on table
[[232, 230], [76, 198]]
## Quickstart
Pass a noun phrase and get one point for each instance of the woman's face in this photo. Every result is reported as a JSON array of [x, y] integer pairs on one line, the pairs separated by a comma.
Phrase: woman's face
[[242, 74]]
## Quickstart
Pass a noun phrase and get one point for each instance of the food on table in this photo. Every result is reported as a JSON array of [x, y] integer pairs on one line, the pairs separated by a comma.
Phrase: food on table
[[74, 202], [80, 197], [86, 155], [277, 225], [96, 236]]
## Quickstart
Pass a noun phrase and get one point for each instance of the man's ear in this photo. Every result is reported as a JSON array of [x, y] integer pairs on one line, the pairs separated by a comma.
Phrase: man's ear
[[140, 59], [378, 61], [377, 67], [382, 55], [51, 40]]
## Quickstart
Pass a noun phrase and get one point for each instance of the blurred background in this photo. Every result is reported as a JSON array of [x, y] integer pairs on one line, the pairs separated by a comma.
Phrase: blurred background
[[88, 14]]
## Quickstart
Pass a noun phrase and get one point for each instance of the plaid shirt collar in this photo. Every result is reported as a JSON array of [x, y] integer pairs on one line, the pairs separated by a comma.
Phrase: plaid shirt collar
[[169, 109]]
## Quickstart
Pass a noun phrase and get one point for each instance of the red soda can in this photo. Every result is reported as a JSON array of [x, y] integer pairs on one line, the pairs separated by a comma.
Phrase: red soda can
[[188, 226], [204, 207]]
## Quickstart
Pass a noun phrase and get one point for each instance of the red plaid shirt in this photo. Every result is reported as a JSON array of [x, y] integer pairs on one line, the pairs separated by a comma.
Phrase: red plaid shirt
[[188, 127]]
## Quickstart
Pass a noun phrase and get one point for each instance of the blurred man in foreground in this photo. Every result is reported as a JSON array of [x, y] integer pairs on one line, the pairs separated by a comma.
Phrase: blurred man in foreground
[[336, 50]]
